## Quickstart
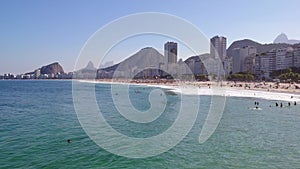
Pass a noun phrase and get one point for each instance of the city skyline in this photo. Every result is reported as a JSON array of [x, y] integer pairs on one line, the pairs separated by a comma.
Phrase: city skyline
[[246, 57], [35, 33]]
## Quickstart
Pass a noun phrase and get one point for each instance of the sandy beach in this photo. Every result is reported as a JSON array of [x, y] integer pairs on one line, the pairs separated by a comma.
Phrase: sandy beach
[[264, 90]]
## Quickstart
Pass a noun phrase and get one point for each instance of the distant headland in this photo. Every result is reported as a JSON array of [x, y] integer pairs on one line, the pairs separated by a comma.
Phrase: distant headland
[[51, 71]]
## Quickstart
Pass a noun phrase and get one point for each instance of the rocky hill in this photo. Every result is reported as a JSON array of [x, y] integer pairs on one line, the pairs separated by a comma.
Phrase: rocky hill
[[90, 66], [144, 58], [261, 48], [89, 72], [52, 68], [283, 38], [88, 69]]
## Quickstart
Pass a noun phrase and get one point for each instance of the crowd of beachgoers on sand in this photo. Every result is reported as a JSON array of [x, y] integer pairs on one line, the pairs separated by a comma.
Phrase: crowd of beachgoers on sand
[[258, 86]]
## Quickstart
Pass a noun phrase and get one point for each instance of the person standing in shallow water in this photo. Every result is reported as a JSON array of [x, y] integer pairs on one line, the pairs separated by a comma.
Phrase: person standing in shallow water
[[295, 103]]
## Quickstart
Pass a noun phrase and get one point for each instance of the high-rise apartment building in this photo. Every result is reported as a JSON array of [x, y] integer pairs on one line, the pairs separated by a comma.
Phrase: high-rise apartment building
[[296, 57], [276, 59], [171, 52], [221, 64], [280, 59], [249, 63], [264, 65], [239, 56], [218, 47]]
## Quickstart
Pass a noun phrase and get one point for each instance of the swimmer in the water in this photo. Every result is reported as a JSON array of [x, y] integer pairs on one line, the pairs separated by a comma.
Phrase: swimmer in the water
[[69, 141]]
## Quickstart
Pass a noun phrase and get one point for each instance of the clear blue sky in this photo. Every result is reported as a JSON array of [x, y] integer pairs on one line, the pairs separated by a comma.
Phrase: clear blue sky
[[37, 32]]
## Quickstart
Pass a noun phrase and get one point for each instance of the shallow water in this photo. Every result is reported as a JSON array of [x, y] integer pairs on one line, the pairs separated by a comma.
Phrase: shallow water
[[37, 118]]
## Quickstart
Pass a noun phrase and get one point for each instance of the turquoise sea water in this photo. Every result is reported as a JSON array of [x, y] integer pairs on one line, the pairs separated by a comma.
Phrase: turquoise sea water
[[37, 118]]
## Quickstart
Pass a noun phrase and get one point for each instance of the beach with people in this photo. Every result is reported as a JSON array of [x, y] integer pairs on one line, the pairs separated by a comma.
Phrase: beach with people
[[263, 90]]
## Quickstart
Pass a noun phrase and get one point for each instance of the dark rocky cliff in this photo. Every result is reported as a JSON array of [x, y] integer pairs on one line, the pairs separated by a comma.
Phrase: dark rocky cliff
[[52, 68]]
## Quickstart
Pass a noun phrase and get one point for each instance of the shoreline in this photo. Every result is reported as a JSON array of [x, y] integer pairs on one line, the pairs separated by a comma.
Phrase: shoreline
[[226, 88]]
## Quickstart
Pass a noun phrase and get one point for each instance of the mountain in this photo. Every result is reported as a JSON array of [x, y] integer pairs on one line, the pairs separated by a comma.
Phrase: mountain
[[144, 58], [282, 38], [89, 72], [90, 66], [52, 68], [106, 64], [261, 48], [198, 58]]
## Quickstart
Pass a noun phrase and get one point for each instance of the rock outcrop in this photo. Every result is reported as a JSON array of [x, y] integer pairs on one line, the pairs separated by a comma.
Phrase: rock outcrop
[[52, 68], [283, 38]]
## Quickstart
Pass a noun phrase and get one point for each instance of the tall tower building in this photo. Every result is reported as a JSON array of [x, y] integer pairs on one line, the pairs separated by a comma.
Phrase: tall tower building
[[218, 47], [239, 55], [171, 52], [296, 57]]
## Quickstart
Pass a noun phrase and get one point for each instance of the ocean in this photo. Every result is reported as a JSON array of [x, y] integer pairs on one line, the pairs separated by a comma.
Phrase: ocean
[[37, 117]]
